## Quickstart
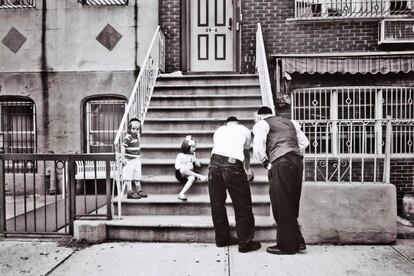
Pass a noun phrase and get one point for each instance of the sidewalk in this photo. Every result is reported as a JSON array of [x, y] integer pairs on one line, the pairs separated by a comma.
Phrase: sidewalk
[[47, 258]]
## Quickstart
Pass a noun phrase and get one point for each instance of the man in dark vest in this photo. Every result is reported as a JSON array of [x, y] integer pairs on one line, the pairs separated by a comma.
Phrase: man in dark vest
[[278, 144]]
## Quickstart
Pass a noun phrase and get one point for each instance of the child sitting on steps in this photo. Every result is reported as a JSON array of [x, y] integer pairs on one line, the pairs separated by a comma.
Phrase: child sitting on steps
[[184, 166]]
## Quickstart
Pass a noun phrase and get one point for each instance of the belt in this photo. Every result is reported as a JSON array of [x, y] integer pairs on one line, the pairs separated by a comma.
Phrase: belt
[[222, 159]]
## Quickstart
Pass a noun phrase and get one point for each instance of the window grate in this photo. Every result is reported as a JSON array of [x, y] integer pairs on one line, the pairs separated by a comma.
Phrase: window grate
[[18, 130], [103, 117], [16, 4], [351, 120], [103, 2]]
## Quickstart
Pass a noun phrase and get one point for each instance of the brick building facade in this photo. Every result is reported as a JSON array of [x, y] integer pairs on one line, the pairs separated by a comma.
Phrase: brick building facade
[[285, 33]]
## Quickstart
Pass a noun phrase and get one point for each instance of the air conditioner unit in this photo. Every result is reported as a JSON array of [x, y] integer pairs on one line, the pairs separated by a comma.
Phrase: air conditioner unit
[[396, 31]]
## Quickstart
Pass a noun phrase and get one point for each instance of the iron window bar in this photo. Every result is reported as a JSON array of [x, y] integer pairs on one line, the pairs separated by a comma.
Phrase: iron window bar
[[103, 2], [17, 4], [329, 9]]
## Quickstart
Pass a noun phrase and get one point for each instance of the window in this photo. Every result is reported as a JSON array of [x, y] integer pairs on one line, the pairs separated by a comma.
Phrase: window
[[314, 9], [103, 2], [102, 116], [13, 4], [17, 128], [351, 120]]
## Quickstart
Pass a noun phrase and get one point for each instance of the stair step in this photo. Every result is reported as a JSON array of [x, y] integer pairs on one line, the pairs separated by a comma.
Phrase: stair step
[[205, 100], [175, 137], [180, 228], [191, 124], [200, 111], [199, 204], [166, 167], [168, 184], [208, 79], [222, 89]]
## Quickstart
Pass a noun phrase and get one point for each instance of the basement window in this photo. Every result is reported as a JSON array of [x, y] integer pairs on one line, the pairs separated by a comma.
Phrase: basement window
[[103, 2], [16, 4], [102, 117]]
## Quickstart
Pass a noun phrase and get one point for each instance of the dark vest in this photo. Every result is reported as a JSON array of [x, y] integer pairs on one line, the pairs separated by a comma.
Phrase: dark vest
[[281, 138]]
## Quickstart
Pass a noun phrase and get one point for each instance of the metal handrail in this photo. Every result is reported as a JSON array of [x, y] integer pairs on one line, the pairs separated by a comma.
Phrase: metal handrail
[[263, 71], [138, 101]]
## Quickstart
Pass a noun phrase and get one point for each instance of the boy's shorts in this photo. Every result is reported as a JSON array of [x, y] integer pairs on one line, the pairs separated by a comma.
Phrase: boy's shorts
[[132, 169]]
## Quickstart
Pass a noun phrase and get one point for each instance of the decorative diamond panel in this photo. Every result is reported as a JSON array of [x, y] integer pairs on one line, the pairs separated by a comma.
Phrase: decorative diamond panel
[[109, 37], [14, 40]]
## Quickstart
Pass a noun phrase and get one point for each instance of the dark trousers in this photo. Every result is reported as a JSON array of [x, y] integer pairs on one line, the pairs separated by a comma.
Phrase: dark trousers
[[224, 175], [285, 189]]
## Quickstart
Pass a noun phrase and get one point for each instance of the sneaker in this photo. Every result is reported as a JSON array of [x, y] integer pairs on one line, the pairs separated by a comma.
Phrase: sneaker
[[142, 194], [230, 241], [182, 197], [133, 195], [251, 246], [203, 178]]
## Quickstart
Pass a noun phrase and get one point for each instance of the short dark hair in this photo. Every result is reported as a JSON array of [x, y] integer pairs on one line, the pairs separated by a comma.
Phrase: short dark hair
[[130, 124], [231, 119], [264, 110]]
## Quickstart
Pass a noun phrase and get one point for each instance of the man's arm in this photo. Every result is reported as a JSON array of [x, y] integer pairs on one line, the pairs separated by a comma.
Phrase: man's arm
[[303, 141], [260, 131]]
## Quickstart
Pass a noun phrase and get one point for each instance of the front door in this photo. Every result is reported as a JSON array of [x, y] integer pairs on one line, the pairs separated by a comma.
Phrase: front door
[[211, 32]]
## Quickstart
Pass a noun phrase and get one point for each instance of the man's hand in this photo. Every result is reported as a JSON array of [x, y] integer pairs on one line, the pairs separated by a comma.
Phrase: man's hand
[[250, 175], [197, 163]]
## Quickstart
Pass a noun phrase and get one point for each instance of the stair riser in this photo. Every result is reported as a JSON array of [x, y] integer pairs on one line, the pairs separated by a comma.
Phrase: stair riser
[[190, 125], [175, 139], [180, 208], [168, 169], [155, 101], [172, 153], [196, 189], [208, 81], [179, 234], [201, 113], [232, 90]]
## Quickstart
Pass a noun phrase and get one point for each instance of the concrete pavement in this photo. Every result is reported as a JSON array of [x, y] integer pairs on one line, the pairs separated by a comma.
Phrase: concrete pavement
[[19, 257]]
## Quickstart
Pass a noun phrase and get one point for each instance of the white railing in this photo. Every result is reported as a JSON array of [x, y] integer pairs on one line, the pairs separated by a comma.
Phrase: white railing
[[262, 70], [328, 9], [356, 150], [138, 102]]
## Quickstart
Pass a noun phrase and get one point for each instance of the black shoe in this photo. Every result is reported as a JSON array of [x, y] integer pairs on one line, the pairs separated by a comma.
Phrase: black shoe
[[230, 241], [302, 247], [133, 195], [277, 251], [142, 194], [251, 246]]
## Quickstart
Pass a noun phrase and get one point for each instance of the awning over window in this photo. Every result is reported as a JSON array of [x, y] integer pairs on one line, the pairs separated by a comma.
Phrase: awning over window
[[379, 62]]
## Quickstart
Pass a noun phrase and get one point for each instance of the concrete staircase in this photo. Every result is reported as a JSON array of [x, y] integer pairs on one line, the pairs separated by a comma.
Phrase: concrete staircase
[[180, 106]]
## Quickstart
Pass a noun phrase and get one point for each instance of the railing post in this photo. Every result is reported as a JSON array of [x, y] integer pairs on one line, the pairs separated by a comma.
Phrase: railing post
[[108, 191], [387, 157], [72, 194], [2, 199]]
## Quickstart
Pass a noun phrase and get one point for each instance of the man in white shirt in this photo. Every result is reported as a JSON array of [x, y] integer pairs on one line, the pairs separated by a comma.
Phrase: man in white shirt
[[229, 159], [279, 144]]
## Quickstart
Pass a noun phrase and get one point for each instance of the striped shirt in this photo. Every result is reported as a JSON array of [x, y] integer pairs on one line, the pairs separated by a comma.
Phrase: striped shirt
[[132, 147]]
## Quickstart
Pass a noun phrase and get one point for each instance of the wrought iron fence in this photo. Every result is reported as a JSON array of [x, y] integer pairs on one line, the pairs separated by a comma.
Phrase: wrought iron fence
[[262, 70], [139, 100], [328, 9], [103, 2], [46, 201], [16, 4]]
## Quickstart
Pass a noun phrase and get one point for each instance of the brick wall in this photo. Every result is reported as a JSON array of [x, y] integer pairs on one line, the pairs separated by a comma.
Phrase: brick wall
[[402, 176], [170, 22]]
